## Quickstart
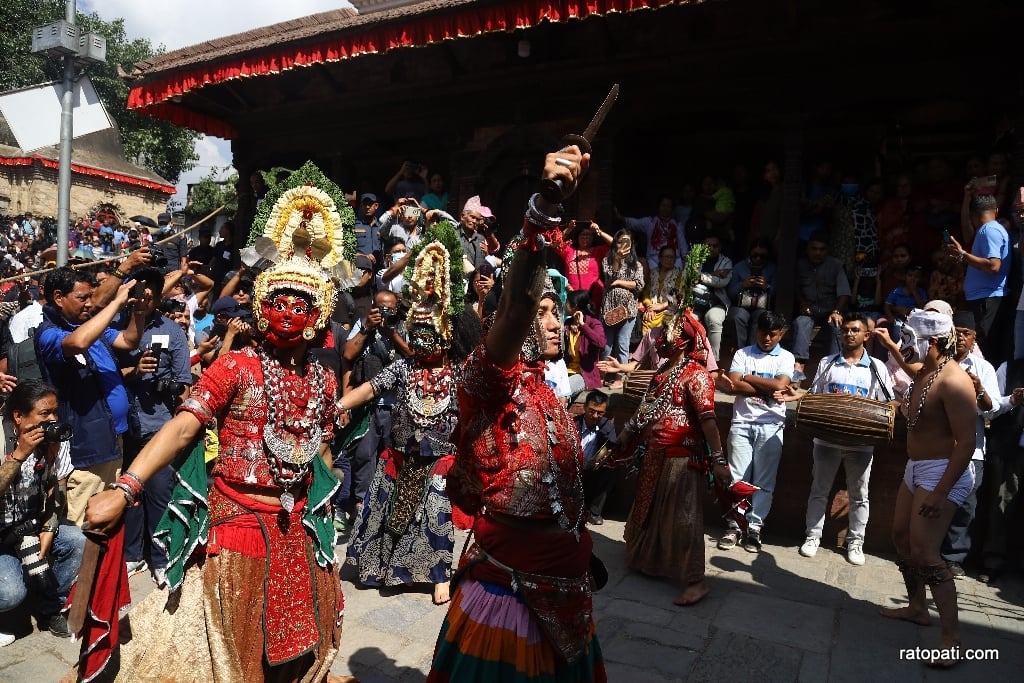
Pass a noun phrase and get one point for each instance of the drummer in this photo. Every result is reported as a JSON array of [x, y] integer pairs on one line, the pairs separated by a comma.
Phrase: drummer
[[852, 371]]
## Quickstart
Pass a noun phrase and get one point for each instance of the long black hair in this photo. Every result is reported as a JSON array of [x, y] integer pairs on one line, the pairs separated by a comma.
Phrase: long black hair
[[613, 255]]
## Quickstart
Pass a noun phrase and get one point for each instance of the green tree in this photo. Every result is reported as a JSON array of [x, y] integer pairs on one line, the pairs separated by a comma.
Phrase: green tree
[[154, 144], [209, 193]]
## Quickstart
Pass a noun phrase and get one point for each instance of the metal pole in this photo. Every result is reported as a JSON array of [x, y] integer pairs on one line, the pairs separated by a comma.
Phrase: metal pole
[[66, 133]]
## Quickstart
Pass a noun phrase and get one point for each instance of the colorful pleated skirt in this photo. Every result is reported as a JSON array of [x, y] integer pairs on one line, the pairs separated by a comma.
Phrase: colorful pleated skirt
[[490, 635]]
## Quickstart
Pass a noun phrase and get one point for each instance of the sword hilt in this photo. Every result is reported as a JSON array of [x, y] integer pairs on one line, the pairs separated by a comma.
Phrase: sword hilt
[[554, 190]]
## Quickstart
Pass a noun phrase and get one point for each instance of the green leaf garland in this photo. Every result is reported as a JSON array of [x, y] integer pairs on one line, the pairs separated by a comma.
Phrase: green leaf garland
[[309, 174], [448, 235]]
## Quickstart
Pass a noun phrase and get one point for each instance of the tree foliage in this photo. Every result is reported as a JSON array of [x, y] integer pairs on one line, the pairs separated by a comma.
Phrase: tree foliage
[[154, 144], [209, 193]]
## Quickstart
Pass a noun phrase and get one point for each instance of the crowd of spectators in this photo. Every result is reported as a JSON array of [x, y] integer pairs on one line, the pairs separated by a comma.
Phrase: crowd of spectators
[[119, 345]]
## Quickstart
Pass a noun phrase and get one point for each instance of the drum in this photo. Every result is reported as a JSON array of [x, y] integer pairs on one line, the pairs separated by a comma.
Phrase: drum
[[634, 387], [846, 420]]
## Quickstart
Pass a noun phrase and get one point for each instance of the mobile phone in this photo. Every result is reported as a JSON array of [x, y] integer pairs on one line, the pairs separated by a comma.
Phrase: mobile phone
[[156, 348], [139, 291], [159, 342], [946, 239]]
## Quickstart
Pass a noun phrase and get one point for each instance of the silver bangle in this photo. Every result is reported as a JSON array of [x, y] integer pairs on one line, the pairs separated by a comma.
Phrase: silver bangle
[[538, 217]]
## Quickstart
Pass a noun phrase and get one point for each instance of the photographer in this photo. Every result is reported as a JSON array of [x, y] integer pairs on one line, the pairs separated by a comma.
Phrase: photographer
[[374, 343], [33, 523], [410, 181], [157, 375]]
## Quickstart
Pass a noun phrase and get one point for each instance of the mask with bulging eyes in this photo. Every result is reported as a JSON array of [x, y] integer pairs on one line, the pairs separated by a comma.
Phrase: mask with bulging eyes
[[912, 347]]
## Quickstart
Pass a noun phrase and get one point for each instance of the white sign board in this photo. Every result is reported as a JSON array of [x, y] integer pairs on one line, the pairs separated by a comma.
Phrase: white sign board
[[34, 114]]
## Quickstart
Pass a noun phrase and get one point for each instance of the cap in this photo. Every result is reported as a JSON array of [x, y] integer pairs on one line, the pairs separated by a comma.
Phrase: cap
[[228, 307], [368, 195], [474, 204], [964, 319], [365, 262], [939, 306]]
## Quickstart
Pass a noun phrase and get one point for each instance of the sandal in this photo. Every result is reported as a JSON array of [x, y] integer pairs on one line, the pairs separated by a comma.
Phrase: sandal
[[728, 540]]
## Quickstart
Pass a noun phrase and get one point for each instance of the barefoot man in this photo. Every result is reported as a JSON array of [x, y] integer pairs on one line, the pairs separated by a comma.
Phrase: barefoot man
[[940, 409]]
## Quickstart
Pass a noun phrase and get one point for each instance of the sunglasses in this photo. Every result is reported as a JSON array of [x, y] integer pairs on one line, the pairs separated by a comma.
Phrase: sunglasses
[[758, 255]]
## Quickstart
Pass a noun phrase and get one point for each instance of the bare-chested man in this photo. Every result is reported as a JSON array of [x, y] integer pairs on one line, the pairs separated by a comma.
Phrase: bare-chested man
[[940, 408]]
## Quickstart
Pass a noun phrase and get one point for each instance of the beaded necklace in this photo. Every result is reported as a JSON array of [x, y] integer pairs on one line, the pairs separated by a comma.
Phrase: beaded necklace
[[430, 394], [912, 421], [294, 439], [657, 400]]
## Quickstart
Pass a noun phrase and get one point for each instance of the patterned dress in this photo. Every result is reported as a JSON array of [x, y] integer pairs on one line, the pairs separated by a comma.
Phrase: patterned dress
[[261, 598], [405, 534], [521, 605], [665, 531]]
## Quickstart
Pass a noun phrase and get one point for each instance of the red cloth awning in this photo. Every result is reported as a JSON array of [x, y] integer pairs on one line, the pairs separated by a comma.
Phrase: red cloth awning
[[154, 96], [89, 170]]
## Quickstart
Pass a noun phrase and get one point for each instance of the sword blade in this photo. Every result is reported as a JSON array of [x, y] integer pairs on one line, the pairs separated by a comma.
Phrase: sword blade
[[602, 114], [83, 589]]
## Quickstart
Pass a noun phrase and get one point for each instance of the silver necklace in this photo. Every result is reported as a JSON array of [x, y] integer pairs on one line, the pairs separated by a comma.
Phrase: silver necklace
[[912, 421], [656, 402], [288, 453]]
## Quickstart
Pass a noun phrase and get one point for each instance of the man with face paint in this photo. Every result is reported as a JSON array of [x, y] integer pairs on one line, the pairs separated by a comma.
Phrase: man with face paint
[[941, 411], [519, 467], [263, 584], [404, 534]]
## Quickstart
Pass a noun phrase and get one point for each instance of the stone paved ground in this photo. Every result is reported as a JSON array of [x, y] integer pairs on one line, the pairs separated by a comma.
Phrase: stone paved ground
[[774, 616]]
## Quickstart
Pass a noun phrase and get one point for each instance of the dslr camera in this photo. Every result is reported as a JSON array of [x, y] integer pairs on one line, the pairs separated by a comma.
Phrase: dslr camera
[[170, 388], [390, 315], [56, 432]]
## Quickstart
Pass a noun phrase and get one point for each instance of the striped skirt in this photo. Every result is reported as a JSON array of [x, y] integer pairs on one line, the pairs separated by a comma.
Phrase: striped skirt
[[490, 635]]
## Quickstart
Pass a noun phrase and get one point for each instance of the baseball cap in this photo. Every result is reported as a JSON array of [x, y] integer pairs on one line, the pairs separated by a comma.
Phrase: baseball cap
[[368, 195], [228, 307]]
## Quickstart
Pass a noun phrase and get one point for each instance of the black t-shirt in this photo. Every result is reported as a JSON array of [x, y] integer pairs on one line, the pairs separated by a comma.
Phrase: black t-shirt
[[173, 250]]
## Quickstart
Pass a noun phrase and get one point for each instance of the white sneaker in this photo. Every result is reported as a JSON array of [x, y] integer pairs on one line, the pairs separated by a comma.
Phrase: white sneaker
[[160, 577], [136, 567], [6, 639], [855, 552], [810, 547]]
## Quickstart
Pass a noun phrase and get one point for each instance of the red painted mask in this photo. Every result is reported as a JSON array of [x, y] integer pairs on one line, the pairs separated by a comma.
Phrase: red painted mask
[[287, 315]]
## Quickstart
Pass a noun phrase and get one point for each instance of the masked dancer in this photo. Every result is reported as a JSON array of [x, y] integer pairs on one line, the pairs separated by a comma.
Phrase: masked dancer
[[256, 591], [405, 533], [675, 421], [521, 609]]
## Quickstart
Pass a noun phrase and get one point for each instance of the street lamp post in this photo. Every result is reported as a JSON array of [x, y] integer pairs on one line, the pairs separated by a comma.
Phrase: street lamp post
[[62, 39]]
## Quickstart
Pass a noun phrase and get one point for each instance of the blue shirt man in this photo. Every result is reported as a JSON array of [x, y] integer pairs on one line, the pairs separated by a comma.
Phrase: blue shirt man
[[76, 348]]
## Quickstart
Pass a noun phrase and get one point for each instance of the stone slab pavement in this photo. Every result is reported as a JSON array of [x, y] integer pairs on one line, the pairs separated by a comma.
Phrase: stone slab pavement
[[772, 616]]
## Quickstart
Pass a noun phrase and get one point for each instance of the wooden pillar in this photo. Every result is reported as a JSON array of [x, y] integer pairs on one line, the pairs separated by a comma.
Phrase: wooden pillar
[[789, 230]]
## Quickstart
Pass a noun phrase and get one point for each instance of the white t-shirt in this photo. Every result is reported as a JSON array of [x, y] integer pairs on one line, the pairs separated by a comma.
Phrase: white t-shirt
[[751, 360], [856, 379]]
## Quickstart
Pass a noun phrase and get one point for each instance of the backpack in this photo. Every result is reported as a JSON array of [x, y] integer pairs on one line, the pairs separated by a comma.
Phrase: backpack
[[22, 361]]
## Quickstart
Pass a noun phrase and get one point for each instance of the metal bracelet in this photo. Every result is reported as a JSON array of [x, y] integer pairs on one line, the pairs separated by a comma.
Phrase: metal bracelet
[[125, 489], [538, 217]]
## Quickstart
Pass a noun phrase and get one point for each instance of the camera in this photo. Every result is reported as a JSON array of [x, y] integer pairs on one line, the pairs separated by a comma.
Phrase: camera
[[390, 315], [170, 388], [56, 432], [158, 261]]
